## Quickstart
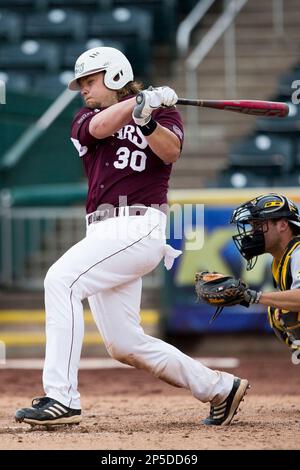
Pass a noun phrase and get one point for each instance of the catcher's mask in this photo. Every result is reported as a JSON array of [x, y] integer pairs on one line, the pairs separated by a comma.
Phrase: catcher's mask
[[251, 219]]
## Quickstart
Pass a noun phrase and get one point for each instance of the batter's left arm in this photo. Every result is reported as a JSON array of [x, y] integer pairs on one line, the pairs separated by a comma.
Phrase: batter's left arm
[[112, 119], [163, 142]]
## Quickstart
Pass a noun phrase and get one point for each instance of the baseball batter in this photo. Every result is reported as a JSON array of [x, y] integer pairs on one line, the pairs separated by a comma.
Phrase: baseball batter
[[127, 150]]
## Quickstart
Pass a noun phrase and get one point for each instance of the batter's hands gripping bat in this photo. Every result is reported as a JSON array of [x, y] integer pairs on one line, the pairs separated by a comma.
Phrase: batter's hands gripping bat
[[253, 107]]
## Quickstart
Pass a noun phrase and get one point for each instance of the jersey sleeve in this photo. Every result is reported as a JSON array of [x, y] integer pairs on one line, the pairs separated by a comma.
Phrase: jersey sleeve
[[80, 134], [171, 119], [295, 268]]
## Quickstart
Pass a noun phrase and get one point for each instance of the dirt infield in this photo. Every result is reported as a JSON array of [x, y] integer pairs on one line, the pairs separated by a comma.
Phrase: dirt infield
[[129, 409]]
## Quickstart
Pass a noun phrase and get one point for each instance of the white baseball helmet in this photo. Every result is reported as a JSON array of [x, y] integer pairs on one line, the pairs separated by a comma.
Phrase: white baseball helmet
[[117, 68]]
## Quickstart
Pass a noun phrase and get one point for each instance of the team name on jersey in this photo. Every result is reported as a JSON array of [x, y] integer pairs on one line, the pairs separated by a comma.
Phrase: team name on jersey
[[83, 117], [133, 134]]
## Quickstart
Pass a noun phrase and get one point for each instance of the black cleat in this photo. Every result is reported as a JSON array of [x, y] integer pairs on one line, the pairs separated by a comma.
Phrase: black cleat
[[222, 414], [47, 411]]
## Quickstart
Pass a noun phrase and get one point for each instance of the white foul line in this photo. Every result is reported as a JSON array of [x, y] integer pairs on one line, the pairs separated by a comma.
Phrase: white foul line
[[109, 363]]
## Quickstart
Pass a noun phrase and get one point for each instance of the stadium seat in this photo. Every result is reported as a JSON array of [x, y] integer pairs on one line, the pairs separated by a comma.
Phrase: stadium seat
[[164, 14], [296, 143], [130, 26], [288, 128], [293, 179], [72, 50], [289, 124], [51, 85], [20, 5], [15, 81], [86, 5], [263, 154], [56, 24], [287, 85], [29, 55], [246, 179], [186, 6], [238, 179], [10, 26]]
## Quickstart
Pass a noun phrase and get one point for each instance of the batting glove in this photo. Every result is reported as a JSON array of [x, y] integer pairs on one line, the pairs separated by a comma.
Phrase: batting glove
[[167, 95], [150, 100]]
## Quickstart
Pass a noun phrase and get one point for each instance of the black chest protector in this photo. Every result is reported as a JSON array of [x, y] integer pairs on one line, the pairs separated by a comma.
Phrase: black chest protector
[[286, 324]]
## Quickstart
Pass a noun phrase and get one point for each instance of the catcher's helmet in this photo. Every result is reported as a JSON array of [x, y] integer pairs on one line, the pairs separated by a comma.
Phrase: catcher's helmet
[[249, 218], [117, 68]]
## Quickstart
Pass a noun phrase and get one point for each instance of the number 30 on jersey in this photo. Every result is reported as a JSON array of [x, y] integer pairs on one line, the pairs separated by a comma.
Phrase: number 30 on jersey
[[136, 159]]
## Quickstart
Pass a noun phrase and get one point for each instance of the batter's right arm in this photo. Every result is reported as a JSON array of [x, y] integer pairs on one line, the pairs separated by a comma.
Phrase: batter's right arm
[[112, 119]]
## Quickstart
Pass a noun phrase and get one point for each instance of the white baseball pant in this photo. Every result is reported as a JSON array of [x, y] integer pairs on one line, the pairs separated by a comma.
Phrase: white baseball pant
[[106, 267]]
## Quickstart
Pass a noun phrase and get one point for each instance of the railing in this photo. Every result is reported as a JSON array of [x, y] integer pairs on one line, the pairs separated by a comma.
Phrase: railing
[[189, 23], [32, 239], [30, 136], [278, 17], [225, 25]]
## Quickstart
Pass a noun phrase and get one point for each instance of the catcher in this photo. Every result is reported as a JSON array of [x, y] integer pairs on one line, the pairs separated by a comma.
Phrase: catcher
[[267, 224]]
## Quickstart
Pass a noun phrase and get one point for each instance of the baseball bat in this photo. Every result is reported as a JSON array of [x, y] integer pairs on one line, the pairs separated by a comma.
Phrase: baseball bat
[[253, 107]]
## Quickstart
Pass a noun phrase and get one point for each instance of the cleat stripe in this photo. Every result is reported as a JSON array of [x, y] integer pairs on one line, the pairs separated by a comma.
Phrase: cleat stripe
[[50, 413], [220, 407], [59, 413], [218, 415], [61, 408]]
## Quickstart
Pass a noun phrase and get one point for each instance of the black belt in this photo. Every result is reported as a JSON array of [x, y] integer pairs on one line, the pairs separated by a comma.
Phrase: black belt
[[104, 214]]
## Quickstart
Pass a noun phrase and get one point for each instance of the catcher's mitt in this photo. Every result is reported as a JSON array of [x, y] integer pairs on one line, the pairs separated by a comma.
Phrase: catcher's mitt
[[223, 291]]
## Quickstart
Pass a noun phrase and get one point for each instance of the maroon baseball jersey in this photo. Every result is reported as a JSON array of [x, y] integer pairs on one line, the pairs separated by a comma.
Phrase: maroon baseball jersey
[[123, 165]]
